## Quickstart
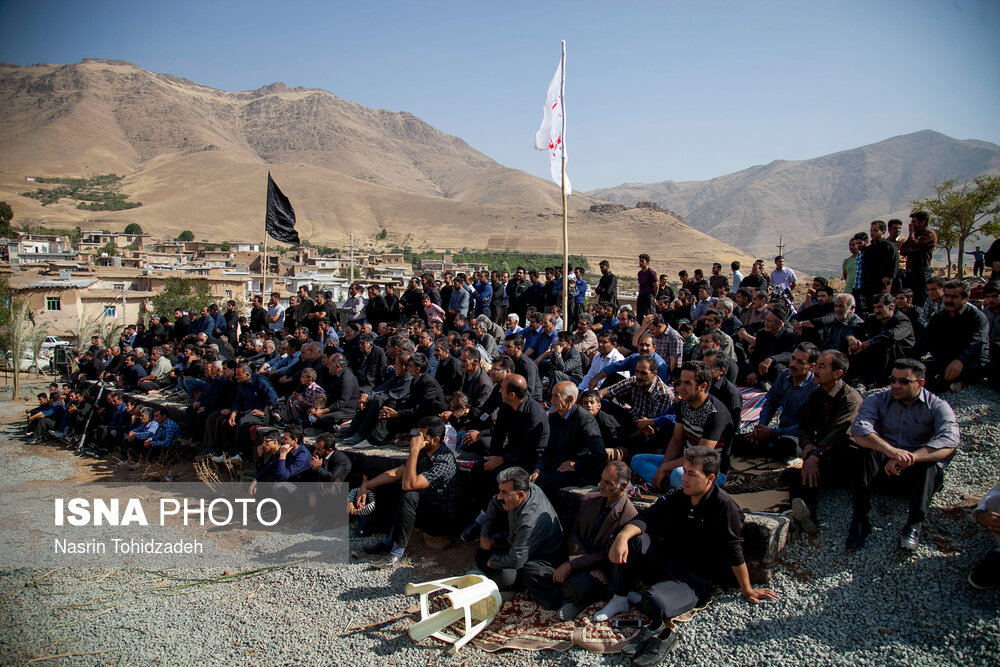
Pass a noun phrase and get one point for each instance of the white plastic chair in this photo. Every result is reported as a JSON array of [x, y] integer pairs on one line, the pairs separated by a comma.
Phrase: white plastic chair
[[475, 600]]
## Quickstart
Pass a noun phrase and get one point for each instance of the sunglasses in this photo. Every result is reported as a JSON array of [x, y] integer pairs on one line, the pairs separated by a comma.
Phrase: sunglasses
[[906, 382]]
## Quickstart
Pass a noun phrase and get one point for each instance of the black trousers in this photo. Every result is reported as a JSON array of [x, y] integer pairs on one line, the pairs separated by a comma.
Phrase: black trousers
[[835, 470], [916, 280], [243, 444], [874, 365], [217, 431], [918, 483], [644, 305], [331, 420], [673, 590], [483, 483], [419, 509], [993, 370], [43, 426], [583, 587], [109, 437], [551, 481], [363, 420], [971, 374], [535, 576]]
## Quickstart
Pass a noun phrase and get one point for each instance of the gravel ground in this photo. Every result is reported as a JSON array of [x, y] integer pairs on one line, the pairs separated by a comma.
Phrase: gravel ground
[[874, 607]]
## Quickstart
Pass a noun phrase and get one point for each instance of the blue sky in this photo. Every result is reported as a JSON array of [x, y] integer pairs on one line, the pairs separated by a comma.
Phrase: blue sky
[[655, 91]]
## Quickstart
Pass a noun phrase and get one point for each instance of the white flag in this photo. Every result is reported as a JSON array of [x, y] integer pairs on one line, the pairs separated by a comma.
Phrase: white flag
[[551, 136]]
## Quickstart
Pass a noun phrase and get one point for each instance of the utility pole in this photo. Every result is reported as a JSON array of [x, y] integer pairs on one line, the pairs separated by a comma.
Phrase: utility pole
[[352, 258], [781, 245]]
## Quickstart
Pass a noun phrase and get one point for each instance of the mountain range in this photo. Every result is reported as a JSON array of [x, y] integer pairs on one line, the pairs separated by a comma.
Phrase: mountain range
[[815, 206], [197, 158]]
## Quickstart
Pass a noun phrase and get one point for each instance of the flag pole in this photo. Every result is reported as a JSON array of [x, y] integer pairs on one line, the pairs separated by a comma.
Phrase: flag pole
[[565, 220], [263, 255], [263, 268]]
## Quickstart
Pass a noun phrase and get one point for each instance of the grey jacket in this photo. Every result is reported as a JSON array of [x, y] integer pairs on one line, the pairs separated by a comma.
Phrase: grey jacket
[[534, 531]]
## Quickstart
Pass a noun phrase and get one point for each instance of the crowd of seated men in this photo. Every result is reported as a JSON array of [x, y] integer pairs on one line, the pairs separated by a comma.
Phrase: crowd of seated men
[[616, 395]]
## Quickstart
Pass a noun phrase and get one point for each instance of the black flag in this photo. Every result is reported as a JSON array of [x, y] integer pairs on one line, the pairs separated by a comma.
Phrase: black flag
[[280, 222]]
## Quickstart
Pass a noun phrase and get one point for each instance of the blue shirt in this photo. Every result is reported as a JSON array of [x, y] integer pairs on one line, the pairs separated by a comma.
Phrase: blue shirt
[[57, 412], [459, 301], [145, 431], [785, 395], [629, 362], [926, 422], [544, 341], [531, 337], [700, 308], [166, 434], [254, 394], [484, 296], [119, 418], [279, 470], [581, 291]]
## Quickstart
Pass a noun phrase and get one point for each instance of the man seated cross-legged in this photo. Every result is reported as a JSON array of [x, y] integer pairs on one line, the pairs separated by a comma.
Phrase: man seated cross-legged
[[683, 547]]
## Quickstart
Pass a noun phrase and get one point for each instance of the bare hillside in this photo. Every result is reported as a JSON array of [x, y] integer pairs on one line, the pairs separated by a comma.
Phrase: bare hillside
[[197, 159], [817, 204]]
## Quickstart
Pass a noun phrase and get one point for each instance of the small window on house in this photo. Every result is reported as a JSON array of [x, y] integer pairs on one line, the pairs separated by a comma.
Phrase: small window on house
[[53, 303], [118, 286], [229, 294], [110, 311]]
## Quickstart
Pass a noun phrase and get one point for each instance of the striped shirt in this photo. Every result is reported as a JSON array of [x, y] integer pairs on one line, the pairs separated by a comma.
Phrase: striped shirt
[[790, 398]]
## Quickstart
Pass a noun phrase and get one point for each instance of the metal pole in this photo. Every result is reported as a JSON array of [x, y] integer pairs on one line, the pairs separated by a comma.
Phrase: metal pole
[[352, 259], [565, 226], [565, 285], [263, 268]]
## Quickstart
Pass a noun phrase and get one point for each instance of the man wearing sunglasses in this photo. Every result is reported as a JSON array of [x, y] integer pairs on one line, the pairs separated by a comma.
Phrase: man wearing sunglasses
[[910, 435]]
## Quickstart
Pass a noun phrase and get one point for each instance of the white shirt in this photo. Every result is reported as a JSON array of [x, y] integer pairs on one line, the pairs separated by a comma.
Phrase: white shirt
[[598, 364], [278, 310], [783, 278]]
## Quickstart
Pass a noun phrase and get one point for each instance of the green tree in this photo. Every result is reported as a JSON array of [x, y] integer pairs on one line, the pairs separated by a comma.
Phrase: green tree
[[383, 234], [181, 293], [18, 336], [133, 228], [225, 246], [186, 235], [6, 215], [110, 248], [962, 212]]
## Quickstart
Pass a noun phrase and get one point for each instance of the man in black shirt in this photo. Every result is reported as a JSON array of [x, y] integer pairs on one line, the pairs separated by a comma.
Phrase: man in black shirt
[[327, 464], [756, 280], [957, 339], [883, 337], [685, 544], [520, 434], [342, 394], [517, 294], [513, 347], [257, 315], [879, 263], [607, 286], [575, 452], [722, 387]]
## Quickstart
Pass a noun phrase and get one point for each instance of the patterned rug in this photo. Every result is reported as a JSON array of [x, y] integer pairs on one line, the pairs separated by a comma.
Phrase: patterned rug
[[522, 624], [752, 400]]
